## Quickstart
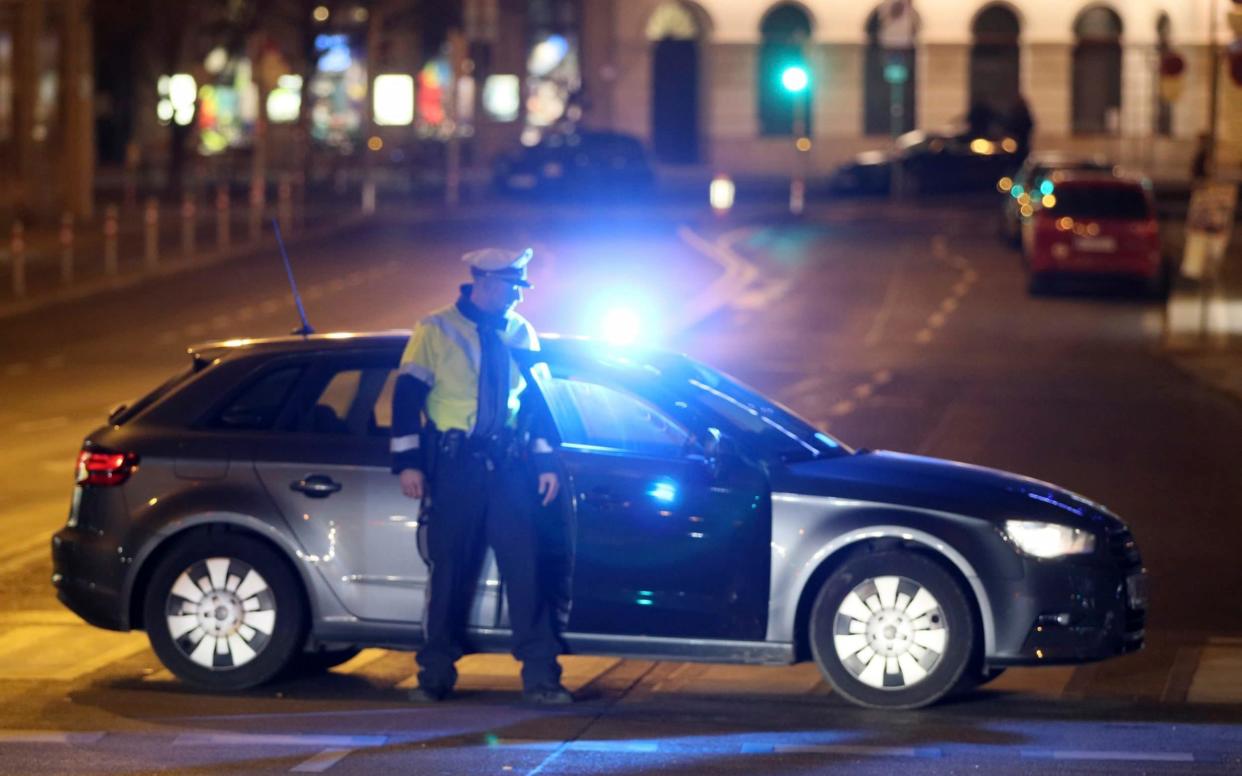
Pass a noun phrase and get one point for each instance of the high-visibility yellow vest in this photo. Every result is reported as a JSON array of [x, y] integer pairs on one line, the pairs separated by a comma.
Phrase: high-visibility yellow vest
[[444, 352]]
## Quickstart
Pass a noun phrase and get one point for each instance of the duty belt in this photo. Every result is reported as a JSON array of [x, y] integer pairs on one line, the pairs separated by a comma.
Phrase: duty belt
[[494, 449]]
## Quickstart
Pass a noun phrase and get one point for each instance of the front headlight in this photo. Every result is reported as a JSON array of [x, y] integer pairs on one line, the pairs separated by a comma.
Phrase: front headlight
[[1049, 540]]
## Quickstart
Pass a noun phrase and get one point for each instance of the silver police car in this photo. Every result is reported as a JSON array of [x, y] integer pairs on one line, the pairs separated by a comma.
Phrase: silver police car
[[244, 515]]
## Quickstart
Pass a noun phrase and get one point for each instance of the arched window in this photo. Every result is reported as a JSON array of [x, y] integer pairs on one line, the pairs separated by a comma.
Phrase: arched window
[[785, 33], [1164, 47], [674, 33], [888, 83], [1097, 71], [995, 67]]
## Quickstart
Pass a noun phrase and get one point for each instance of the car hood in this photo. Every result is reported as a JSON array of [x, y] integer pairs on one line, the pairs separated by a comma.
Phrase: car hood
[[933, 483]]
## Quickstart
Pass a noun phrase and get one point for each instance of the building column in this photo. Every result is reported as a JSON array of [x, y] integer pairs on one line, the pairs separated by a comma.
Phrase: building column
[[1048, 83], [79, 119], [838, 103], [1139, 65], [944, 84]]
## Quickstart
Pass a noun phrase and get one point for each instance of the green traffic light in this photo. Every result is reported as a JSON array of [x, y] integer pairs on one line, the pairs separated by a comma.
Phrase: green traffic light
[[795, 78]]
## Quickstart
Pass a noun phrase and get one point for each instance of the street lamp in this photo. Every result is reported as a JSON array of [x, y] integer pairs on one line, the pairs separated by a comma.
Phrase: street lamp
[[796, 79]]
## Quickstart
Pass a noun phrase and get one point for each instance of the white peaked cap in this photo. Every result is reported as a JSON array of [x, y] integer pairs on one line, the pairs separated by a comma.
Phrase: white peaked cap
[[496, 259]]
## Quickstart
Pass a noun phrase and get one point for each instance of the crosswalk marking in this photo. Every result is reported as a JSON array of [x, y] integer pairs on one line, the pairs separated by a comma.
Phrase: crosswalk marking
[[1218, 678], [49, 737], [58, 653], [322, 761]]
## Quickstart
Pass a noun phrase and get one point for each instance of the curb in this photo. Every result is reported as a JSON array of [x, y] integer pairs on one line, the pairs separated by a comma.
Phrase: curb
[[103, 285]]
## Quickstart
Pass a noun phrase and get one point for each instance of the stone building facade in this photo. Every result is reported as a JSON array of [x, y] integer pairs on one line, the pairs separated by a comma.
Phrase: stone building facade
[[1090, 72]]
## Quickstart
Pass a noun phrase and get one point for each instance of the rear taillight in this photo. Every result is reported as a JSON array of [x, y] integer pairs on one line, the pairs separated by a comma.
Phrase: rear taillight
[[103, 468]]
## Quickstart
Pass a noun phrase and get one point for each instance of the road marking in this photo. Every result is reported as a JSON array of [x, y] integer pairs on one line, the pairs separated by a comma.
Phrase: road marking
[[167, 338], [1218, 677], [221, 322], [46, 424], [738, 275], [54, 362], [935, 320], [16, 370], [360, 661], [39, 617], [960, 288], [269, 306], [32, 550], [843, 407], [195, 330], [49, 737], [923, 337], [887, 306], [278, 739], [848, 749], [864, 390], [882, 377], [1076, 754], [949, 305], [322, 761], [63, 652]]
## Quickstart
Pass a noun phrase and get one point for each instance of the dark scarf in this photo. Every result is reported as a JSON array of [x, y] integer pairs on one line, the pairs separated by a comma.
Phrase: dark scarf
[[493, 366]]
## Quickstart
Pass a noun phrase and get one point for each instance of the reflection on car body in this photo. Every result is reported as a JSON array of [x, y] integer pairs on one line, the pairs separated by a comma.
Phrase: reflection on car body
[[245, 516]]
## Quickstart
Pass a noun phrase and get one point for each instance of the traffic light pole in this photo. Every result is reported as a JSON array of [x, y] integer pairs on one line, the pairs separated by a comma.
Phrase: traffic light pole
[[797, 185]]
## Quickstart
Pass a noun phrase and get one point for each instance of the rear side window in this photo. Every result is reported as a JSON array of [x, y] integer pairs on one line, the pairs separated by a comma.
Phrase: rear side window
[[123, 415], [1109, 202], [258, 405], [354, 402]]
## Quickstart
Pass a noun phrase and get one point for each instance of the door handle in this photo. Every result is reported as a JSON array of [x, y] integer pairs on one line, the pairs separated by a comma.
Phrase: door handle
[[603, 497], [316, 486]]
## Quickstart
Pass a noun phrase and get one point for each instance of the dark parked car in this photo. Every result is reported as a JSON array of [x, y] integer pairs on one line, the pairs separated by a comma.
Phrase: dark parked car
[[591, 165], [929, 164], [244, 515], [1032, 181]]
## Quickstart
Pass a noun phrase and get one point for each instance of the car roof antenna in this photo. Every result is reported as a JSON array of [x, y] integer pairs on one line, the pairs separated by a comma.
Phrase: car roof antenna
[[306, 329]]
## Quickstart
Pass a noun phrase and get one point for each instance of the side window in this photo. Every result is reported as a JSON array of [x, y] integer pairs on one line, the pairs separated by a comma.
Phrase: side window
[[354, 402], [598, 416], [256, 407]]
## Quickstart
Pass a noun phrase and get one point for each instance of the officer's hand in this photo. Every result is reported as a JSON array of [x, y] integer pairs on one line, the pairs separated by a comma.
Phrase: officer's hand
[[413, 484], [549, 486]]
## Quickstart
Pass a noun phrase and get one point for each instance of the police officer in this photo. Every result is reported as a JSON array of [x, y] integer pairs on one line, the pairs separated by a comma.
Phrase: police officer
[[476, 467]]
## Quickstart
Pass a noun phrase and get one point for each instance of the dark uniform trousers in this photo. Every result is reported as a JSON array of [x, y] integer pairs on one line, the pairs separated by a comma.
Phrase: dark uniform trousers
[[480, 500]]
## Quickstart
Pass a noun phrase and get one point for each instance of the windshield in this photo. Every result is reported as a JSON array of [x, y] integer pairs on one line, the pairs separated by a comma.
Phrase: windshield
[[764, 423]]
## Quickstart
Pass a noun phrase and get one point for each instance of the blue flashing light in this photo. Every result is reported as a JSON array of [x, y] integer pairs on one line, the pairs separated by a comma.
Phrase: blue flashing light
[[621, 326], [1046, 188], [664, 492], [644, 601], [821, 436]]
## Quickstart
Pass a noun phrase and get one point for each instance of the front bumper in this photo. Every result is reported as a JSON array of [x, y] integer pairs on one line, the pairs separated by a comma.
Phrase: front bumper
[[86, 572], [1069, 612]]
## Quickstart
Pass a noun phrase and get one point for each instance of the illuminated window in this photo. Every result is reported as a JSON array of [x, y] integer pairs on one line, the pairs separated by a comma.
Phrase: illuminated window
[[393, 104], [6, 86]]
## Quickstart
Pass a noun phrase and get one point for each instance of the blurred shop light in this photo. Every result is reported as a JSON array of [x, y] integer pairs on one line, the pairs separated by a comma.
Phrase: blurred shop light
[[164, 111], [546, 55], [321, 13], [216, 60], [285, 101], [359, 15], [502, 97], [393, 101], [182, 92], [335, 57], [721, 193]]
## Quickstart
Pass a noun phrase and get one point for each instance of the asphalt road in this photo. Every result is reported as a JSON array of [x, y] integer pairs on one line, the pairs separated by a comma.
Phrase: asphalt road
[[898, 329]]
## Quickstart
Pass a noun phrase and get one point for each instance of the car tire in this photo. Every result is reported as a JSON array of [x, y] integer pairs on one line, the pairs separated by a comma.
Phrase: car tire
[[892, 629], [1039, 284], [224, 612]]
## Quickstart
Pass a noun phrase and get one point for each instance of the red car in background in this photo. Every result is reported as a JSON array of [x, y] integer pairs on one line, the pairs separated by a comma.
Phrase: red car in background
[[1097, 226]]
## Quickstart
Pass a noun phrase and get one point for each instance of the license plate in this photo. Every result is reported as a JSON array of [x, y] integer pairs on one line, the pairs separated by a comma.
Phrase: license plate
[[1136, 591], [1096, 244]]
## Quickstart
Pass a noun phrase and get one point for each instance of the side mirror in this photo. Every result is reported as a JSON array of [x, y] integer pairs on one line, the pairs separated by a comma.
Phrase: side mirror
[[719, 449]]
